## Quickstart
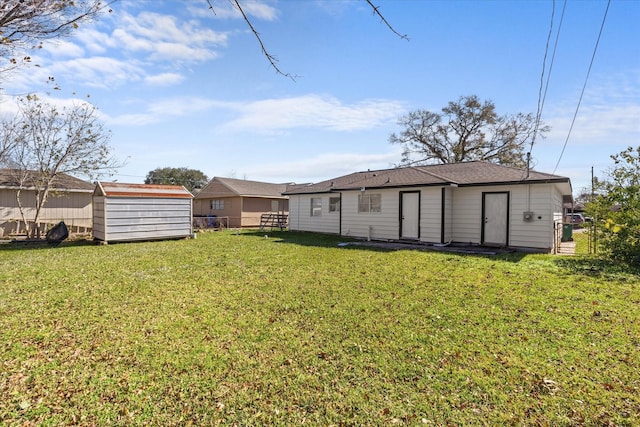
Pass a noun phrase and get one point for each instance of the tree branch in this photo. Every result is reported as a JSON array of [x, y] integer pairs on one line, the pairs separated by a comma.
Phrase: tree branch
[[376, 11], [272, 59]]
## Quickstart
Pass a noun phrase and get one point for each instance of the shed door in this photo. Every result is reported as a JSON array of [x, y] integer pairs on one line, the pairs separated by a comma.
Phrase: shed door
[[495, 213], [410, 215]]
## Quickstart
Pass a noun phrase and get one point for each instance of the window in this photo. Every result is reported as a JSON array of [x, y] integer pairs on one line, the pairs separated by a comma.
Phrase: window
[[369, 203], [217, 204], [334, 204], [316, 206]]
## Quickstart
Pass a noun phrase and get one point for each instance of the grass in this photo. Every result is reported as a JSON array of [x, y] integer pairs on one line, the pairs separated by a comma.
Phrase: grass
[[241, 329]]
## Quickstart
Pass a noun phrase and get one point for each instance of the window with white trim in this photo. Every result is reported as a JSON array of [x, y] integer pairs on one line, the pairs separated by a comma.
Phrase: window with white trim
[[316, 206], [369, 203], [217, 204]]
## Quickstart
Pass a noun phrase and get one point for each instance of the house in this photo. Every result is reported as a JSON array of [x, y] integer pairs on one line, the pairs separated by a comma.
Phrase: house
[[472, 203], [68, 201], [239, 202], [129, 212]]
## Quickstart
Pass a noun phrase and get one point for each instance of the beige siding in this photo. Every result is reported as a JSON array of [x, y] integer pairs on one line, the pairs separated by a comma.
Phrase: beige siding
[[300, 218], [539, 232], [241, 211], [467, 214], [254, 207], [463, 220], [375, 225], [448, 214], [232, 209], [557, 212], [72, 208], [431, 214]]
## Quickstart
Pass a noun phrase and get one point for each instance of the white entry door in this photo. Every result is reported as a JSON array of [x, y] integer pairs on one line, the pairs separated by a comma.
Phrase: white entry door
[[410, 215], [495, 210]]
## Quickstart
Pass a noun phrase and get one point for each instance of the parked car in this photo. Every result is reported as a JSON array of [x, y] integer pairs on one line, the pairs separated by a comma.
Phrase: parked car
[[577, 219]]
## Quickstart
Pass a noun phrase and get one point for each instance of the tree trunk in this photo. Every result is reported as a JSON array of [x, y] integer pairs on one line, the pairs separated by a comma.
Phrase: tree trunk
[[22, 213]]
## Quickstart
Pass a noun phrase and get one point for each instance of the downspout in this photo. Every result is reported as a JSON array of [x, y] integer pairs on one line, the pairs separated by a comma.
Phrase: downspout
[[340, 217], [443, 222]]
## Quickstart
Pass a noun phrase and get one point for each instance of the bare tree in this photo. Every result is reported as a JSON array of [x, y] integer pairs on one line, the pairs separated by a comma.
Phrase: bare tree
[[25, 24], [9, 135], [466, 130], [52, 141]]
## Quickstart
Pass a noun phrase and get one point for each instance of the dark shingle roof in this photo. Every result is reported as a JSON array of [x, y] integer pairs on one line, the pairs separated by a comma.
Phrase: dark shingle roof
[[460, 174], [62, 182]]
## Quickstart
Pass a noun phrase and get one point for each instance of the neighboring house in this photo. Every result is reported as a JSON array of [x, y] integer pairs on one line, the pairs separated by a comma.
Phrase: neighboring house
[[69, 201], [239, 202], [473, 203], [129, 212]]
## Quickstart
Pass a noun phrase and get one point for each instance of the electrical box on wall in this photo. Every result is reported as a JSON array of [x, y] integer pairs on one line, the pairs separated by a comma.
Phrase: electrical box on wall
[[527, 216]]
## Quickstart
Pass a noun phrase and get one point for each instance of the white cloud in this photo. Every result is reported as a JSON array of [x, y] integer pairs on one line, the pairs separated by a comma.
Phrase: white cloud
[[324, 166], [226, 10], [94, 41], [165, 109], [165, 79], [98, 71], [275, 115], [164, 37], [135, 44], [598, 122], [181, 52], [9, 105], [314, 111], [260, 10], [608, 113], [63, 48], [182, 106]]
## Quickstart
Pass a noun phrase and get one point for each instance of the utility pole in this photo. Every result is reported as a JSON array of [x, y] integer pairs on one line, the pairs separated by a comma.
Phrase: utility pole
[[594, 220]]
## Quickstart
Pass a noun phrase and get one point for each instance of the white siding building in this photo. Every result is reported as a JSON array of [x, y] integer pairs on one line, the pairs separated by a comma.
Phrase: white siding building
[[128, 212], [474, 203]]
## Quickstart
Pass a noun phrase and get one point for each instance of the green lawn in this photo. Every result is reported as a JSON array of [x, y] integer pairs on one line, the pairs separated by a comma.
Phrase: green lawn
[[292, 329]]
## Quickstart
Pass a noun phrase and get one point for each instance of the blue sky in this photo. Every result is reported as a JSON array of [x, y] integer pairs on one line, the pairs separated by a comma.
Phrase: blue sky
[[180, 86]]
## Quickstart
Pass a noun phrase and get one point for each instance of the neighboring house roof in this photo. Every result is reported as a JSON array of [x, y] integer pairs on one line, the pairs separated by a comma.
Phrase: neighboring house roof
[[243, 188], [62, 182], [454, 174], [118, 189]]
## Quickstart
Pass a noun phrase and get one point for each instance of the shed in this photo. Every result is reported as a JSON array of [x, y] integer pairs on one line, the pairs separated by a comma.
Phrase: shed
[[129, 212]]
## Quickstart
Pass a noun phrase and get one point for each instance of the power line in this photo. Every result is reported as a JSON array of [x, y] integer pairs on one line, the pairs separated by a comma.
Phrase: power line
[[584, 86], [542, 96]]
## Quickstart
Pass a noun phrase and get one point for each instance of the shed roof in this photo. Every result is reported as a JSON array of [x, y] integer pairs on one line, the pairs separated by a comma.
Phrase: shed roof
[[9, 178], [244, 188], [118, 189], [456, 174]]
